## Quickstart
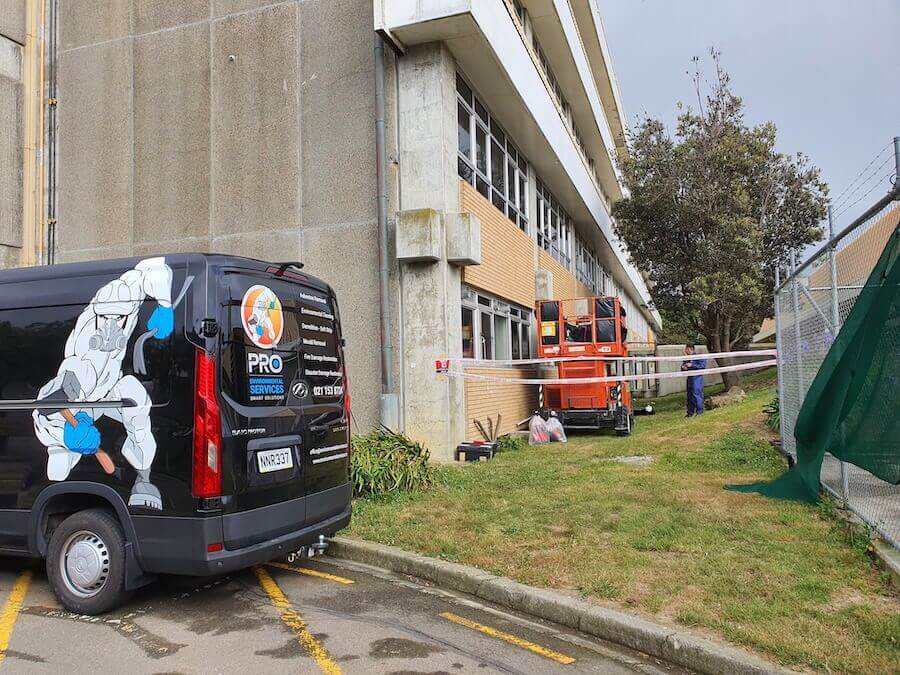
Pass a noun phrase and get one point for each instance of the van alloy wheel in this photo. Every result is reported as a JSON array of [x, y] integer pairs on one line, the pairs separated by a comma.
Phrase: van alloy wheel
[[84, 565]]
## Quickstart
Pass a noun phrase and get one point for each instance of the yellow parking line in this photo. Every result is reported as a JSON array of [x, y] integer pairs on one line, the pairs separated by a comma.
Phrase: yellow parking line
[[11, 610], [311, 573], [295, 622], [511, 639]]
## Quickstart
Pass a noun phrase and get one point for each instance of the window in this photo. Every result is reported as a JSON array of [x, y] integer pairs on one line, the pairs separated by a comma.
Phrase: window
[[554, 227], [503, 330], [492, 163], [587, 269], [468, 333]]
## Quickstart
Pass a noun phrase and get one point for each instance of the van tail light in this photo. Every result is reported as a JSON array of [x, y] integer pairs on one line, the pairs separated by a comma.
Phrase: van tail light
[[347, 411], [346, 396], [206, 478]]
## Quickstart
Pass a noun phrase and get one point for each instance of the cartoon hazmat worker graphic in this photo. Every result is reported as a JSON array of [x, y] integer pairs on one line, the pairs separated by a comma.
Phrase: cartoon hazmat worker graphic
[[91, 372]]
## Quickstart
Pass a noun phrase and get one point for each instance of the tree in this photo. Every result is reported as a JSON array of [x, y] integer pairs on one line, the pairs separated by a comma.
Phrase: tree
[[711, 212]]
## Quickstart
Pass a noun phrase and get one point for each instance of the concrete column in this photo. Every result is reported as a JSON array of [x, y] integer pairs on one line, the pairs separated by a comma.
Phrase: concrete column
[[433, 407], [12, 96]]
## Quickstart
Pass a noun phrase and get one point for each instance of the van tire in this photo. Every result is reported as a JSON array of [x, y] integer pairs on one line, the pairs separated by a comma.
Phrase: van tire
[[97, 535]]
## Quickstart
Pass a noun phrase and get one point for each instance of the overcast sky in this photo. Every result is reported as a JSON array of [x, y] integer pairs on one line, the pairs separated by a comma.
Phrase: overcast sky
[[825, 71]]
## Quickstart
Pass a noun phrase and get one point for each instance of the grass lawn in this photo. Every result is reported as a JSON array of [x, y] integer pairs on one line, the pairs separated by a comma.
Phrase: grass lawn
[[664, 539]]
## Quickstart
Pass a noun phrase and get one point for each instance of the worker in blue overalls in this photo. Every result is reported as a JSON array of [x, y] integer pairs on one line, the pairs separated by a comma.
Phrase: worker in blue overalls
[[694, 382]]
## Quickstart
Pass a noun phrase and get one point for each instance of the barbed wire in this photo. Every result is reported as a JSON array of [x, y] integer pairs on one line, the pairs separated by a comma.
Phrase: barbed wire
[[844, 210], [865, 168]]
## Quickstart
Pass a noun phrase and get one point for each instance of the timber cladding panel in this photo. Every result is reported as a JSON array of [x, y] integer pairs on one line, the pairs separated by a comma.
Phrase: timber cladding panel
[[507, 253], [565, 285], [514, 402]]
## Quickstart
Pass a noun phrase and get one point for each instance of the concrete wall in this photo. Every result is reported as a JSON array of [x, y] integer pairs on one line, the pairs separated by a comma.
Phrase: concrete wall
[[231, 126], [12, 97]]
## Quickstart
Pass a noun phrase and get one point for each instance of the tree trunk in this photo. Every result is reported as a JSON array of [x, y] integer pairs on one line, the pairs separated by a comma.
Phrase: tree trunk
[[717, 342], [730, 380]]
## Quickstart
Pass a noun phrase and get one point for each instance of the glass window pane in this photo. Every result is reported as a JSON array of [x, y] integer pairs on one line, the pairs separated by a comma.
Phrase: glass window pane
[[501, 337], [487, 336], [483, 188], [498, 200], [481, 149], [516, 341], [463, 89], [497, 133], [481, 111], [465, 171], [498, 165], [464, 130], [523, 193], [512, 183], [468, 333]]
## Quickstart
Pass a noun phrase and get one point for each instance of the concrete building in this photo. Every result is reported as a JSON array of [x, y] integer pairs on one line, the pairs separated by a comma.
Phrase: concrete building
[[249, 127], [21, 130]]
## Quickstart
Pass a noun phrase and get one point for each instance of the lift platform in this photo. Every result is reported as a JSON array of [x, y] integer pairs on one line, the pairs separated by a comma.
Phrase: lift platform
[[585, 327]]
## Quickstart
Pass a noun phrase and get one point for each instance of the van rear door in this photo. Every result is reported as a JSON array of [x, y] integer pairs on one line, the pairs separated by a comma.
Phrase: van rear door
[[284, 431]]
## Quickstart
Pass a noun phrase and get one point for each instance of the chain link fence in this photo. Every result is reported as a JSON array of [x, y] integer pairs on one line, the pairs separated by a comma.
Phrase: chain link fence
[[810, 307]]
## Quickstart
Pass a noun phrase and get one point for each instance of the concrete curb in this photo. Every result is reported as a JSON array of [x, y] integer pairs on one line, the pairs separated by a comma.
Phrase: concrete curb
[[670, 644], [889, 558]]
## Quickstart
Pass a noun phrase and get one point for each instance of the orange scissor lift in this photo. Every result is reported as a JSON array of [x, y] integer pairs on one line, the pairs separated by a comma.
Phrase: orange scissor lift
[[586, 327]]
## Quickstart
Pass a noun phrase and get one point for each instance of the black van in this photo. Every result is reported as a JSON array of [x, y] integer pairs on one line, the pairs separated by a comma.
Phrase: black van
[[183, 414]]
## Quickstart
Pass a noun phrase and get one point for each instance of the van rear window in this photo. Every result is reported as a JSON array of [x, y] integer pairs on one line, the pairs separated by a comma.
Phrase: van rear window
[[280, 343]]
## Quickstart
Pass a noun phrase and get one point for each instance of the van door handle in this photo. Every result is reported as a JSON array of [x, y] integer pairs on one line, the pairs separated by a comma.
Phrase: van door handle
[[319, 429]]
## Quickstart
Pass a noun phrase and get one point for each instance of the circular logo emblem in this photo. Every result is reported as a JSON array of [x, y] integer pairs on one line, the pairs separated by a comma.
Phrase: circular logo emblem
[[261, 316], [300, 389]]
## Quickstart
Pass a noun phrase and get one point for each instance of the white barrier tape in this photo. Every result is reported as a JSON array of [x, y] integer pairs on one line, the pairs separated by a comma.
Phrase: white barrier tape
[[611, 378], [485, 363]]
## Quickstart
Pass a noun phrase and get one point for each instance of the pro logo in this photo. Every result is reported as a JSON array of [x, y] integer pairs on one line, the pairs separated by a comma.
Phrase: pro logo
[[264, 364], [261, 316]]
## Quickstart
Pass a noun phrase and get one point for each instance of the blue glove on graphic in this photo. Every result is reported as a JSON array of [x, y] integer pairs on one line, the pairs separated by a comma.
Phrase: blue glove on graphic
[[85, 438], [163, 320]]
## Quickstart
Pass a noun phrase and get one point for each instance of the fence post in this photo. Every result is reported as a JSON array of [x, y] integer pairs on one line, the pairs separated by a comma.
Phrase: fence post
[[836, 326], [897, 162], [796, 318], [779, 370]]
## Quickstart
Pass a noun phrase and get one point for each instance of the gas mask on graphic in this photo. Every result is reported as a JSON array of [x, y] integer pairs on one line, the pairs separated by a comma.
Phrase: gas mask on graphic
[[110, 336]]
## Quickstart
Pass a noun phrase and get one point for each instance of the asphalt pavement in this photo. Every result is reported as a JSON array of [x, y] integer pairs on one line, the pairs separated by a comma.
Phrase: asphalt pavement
[[320, 615]]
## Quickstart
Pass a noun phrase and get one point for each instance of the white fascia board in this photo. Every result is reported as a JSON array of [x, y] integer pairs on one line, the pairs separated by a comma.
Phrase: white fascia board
[[607, 60], [573, 37], [397, 14]]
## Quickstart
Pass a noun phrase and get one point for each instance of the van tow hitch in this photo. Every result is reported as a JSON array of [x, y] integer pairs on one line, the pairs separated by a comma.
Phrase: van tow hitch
[[310, 551]]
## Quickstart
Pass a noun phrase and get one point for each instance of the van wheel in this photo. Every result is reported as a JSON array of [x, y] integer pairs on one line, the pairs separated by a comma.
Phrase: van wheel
[[86, 562]]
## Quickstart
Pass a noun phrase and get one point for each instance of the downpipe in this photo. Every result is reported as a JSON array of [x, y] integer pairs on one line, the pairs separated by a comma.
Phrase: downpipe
[[389, 407]]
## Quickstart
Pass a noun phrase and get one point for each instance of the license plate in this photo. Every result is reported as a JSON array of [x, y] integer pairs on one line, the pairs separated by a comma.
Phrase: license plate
[[274, 460]]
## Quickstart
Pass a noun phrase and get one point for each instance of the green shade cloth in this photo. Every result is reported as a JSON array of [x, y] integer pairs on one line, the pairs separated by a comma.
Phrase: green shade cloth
[[852, 408]]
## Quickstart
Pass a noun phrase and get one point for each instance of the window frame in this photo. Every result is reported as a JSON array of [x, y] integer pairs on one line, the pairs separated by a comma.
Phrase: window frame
[[500, 156], [554, 227], [519, 325]]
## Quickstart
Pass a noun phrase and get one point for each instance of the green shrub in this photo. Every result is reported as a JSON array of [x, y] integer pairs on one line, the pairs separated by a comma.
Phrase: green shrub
[[509, 442], [772, 411], [384, 462]]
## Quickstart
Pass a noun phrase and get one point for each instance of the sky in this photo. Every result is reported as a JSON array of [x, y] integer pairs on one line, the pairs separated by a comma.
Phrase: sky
[[824, 71]]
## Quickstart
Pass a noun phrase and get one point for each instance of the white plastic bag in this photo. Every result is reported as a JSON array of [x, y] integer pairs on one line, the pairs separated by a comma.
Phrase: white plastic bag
[[555, 430], [537, 431]]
